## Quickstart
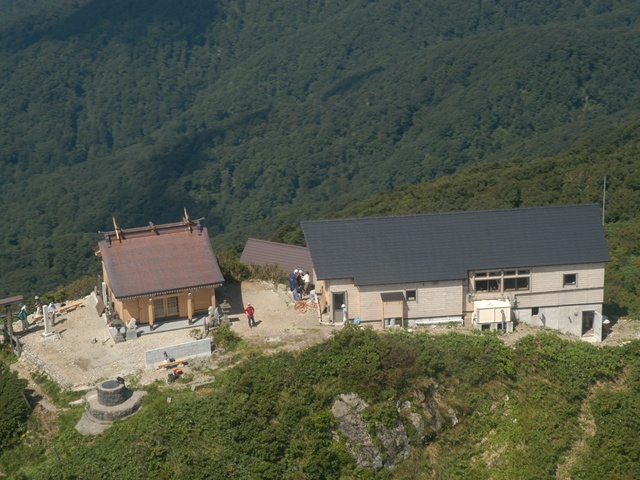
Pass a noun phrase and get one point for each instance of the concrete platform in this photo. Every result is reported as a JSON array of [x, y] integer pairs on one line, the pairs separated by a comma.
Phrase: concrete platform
[[171, 325], [162, 326]]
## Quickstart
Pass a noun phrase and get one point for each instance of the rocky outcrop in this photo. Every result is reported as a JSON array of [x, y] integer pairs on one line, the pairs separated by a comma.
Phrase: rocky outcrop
[[375, 445], [384, 449], [347, 410]]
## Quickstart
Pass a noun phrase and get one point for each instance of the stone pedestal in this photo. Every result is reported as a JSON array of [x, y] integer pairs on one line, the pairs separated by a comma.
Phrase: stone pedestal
[[47, 322]]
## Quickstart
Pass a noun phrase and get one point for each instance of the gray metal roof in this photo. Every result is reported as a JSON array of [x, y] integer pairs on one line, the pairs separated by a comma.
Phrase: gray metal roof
[[445, 246], [288, 257]]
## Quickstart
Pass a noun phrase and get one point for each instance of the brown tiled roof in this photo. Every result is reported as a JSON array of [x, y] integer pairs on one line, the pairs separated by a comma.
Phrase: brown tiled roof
[[167, 258], [288, 257]]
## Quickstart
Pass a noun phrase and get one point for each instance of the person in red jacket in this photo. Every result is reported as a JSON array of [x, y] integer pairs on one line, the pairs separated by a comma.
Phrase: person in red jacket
[[250, 311]]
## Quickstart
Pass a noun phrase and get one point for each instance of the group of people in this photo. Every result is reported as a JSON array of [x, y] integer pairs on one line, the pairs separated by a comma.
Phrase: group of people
[[299, 283], [23, 314]]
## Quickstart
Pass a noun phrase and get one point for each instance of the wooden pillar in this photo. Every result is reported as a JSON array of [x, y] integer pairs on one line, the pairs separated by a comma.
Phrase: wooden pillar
[[14, 339], [5, 328], [151, 313], [190, 306], [213, 297]]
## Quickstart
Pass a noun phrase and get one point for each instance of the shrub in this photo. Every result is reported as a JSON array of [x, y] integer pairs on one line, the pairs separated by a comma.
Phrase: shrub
[[233, 270], [227, 338], [13, 406]]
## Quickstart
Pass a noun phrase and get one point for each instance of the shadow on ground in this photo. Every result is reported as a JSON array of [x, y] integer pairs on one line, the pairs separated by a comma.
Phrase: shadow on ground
[[232, 293]]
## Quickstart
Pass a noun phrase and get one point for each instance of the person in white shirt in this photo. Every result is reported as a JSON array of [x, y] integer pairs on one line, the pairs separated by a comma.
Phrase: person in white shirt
[[306, 279], [52, 312]]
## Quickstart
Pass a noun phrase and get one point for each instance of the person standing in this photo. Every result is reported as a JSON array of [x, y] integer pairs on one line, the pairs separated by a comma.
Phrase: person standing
[[299, 282], [52, 312], [344, 313], [38, 305], [306, 280], [22, 315], [292, 279], [250, 312]]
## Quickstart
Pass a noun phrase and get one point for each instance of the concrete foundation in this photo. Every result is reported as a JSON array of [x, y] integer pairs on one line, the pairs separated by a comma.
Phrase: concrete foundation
[[111, 401]]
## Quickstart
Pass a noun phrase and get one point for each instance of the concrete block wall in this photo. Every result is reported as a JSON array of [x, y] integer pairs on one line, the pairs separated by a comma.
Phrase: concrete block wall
[[198, 348]]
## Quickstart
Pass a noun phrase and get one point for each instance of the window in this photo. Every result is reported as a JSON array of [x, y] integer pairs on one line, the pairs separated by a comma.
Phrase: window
[[172, 306], [502, 281], [516, 284], [569, 279], [411, 295], [488, 285], [158, 307], [535, 311]]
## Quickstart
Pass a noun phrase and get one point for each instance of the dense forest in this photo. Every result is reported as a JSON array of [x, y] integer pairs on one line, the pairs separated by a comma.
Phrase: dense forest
[[257, 114]]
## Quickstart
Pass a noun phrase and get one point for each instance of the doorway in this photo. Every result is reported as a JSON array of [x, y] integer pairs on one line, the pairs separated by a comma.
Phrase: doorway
[[338, 298], [587, 322], [165, 307]]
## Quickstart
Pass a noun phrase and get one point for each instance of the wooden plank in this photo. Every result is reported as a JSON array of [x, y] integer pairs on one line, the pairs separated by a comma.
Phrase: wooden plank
[[4, 302], [175, 363], [70, 306]]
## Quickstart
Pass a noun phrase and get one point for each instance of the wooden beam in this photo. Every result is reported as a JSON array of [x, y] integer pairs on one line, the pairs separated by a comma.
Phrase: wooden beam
[[117, 229], [186, 219]]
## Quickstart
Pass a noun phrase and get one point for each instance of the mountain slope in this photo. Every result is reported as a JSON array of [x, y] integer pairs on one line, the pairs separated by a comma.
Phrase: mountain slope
[[243, 111]]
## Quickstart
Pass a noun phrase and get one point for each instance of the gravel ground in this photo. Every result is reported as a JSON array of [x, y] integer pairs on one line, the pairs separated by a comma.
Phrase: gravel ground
[[81, 352]]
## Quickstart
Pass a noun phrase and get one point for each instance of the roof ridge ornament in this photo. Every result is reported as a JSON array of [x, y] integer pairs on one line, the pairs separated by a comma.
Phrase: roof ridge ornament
[[190, 223], [118, 230], [186, 220]]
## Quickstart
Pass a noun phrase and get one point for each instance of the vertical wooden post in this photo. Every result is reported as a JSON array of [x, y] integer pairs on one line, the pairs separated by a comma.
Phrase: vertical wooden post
[[190, 306], [151, 313], [13, 338], [5, 328]]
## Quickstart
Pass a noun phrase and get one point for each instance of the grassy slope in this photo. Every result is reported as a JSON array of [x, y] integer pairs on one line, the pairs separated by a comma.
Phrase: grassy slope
[[519, 413]]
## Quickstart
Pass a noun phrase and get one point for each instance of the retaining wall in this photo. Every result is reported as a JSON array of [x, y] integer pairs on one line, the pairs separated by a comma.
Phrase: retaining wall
[[198, 348]]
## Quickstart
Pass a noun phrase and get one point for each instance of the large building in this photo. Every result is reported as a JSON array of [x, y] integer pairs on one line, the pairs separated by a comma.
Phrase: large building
[[159, 272], [540, 265]]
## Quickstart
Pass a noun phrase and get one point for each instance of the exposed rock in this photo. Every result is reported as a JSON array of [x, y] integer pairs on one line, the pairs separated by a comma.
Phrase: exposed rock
[[389, 446], [453, 418], [347, 410], [416, 420], [395, 442]]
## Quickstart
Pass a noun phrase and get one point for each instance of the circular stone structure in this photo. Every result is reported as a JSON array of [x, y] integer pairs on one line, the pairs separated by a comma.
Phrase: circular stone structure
[[112, 401], [112, 393]]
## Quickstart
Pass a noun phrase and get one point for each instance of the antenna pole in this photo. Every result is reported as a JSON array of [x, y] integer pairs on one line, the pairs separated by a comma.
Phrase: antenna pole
[[604, 198]]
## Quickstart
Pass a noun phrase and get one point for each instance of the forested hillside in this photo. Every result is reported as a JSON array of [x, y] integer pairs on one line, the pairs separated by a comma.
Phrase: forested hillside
[[255, 113]]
